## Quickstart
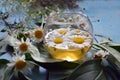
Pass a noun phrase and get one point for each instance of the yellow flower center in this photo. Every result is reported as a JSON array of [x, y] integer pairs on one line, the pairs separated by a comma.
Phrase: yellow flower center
[[38, 34], [86, 35], [20, 64], [58, 40], [70, 20], [62, 31], [61, 20], [77, 30], [78, 40], [27, 34], [23, 47]]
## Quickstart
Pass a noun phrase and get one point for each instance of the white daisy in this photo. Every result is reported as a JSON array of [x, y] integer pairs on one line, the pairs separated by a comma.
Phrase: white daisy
[[75, 31], [38, 34], [79, 41], [20, 64], [22, 45], [62, 31], [55, 40], [67, 39], [26, 46]]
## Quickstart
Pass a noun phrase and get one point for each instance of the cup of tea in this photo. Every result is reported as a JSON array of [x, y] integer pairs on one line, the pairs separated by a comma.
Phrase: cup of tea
[[68, 36]]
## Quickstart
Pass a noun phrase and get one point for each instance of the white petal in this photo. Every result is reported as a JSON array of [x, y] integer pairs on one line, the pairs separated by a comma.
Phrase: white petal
[[14, 58], [86, 43], [11, 64], [22, 57], [11, 40], [27, 40], [17, 43]]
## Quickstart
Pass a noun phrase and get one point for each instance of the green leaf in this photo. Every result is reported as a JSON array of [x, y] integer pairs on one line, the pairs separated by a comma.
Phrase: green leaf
[[90, 70], [1, 75], [28, 56], [114, 53], [8, 73], [114, 45], [21, 35], [3, 63], [111, 70], [98, 69], [116, 48], [59, 66]]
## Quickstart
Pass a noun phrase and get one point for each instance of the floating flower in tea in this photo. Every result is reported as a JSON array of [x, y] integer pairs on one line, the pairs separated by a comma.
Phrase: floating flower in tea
[[68, 44]]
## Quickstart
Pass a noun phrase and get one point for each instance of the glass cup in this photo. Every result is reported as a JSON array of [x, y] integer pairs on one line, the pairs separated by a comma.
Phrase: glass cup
[[68, 36]]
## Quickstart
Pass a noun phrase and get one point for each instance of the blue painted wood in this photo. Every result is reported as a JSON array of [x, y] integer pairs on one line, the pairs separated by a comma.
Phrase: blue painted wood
[[108, 14]]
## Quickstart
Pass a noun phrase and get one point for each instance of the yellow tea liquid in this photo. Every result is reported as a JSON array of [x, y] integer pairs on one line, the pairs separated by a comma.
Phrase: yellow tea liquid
[[69, 55]]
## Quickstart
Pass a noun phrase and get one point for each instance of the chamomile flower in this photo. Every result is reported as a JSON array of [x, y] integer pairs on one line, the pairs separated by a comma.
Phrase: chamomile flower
[[20, 64], [55, 39], [67, 39], [79, 41], [22, 45], [38, 34], [26, 46], [62, 31], [100, 54]]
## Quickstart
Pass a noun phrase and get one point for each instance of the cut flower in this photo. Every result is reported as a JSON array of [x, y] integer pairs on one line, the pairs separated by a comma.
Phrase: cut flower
[[20, 64], [68, 39], [100, 54], [22, 45], [38, 34]]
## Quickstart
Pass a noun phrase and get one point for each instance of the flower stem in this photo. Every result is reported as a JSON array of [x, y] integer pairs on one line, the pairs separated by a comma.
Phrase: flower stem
[[42, 24]]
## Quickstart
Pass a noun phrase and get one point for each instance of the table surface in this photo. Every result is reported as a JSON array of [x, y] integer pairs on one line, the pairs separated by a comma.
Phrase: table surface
[[108, 14]]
